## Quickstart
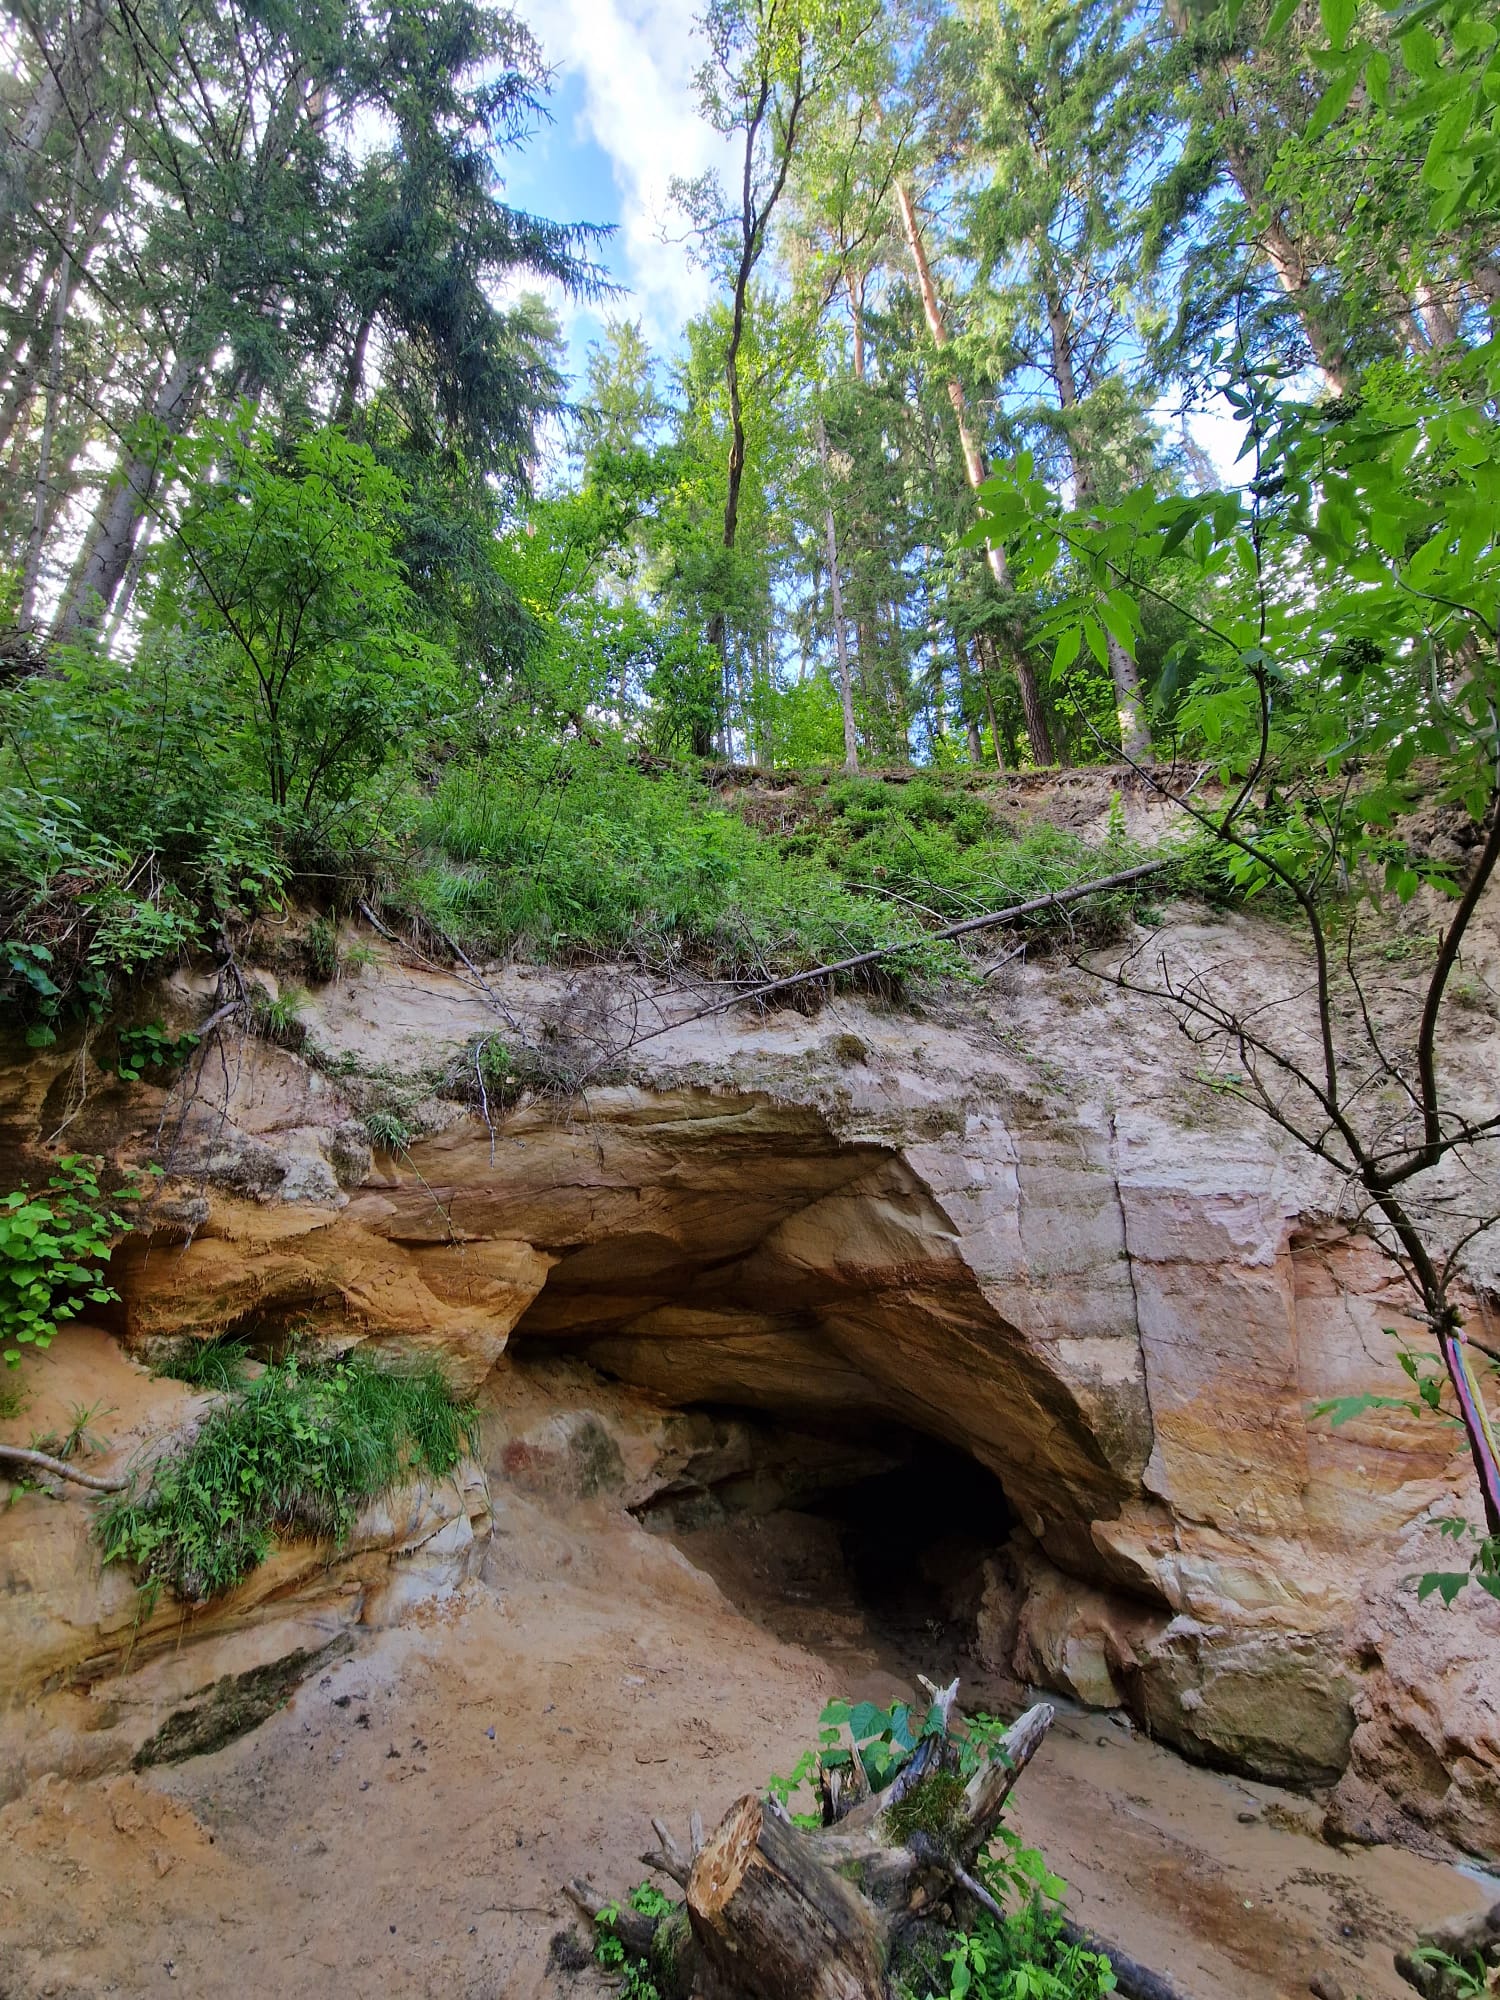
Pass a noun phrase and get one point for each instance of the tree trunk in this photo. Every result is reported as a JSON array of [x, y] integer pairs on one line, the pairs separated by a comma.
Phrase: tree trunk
[[989, 668], [771, 1919], [961, 651], [31, 575], [836, 594], [1437, 321], [776, 1913], [65, 83], [107, 554], [1284, 254], [1135, 739], [855, 287], [974, 466]]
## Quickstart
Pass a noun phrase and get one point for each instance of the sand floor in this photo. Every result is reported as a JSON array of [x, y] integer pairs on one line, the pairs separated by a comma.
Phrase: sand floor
[[404, 1825]]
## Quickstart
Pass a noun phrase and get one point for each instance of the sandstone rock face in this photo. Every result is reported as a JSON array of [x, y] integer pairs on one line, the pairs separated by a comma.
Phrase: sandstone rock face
[[1018, 1224], [90, 1670]]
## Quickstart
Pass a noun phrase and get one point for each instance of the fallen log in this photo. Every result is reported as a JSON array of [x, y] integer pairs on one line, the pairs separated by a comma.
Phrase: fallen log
[[776, 1911]]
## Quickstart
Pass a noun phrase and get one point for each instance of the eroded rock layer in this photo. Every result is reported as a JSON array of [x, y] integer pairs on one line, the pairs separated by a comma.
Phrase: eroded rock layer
[[1018, 1226]]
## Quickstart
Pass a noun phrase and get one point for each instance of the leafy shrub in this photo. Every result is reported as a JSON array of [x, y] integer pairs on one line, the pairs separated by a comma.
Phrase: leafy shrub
[[295, 1453], [1025, 1958], [76, 910], [147, 1048], [636, 1982], [53, 1249], [285, 563]]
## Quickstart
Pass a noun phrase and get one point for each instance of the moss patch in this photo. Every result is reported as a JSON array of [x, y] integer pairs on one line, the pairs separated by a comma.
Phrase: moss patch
[[232, 1707], [934, 1806]]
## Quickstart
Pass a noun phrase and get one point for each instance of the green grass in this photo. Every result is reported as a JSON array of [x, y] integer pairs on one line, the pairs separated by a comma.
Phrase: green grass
[[206, 1364], [584, 855], [292, 1455]]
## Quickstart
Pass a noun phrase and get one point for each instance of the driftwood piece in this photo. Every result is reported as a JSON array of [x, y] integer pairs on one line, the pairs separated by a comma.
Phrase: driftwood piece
[[776, 1912]]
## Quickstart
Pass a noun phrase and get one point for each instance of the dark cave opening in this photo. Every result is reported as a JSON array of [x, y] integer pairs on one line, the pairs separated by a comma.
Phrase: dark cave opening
[[868, 1547]]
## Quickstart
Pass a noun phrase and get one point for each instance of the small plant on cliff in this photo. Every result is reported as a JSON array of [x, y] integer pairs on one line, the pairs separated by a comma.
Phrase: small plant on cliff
[[53, 1248], [293, 1454], [206, 1364], [150, 1049]]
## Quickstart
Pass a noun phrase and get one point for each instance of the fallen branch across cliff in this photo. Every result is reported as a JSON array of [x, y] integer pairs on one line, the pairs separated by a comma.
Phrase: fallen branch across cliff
[[1055, 899], [60, 1469]]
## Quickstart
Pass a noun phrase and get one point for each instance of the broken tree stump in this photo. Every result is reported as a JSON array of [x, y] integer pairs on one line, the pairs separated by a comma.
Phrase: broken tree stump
[[771, 1918], [774, 1911]]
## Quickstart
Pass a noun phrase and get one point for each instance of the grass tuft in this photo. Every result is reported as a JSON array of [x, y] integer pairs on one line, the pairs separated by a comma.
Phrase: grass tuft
[[291, 1455], [206, 1364]]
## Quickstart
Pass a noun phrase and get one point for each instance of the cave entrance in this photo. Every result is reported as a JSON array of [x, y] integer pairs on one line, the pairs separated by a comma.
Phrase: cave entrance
[[738, 1260], [870, 1550]]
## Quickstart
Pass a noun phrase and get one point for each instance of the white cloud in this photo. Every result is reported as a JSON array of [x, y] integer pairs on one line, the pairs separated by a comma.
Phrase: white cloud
[[636, 60]]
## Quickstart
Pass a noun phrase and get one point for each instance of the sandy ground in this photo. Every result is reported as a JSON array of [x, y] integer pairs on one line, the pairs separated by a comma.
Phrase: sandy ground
[[404, 1825]]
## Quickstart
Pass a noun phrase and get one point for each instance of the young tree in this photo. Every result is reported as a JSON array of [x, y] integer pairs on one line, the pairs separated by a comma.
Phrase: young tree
[[771, 64], [285, 563]]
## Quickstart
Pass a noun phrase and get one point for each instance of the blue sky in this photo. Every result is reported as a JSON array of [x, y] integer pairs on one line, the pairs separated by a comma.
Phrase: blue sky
[[624, 121]]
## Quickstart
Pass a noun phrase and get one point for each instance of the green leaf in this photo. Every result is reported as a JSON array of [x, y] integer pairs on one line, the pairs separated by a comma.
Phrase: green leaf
[[1421, 53], [1338, 19], [1447, 1584], [1333, 101]]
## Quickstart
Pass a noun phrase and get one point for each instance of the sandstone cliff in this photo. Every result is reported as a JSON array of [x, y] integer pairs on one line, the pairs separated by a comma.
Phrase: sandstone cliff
[[1017, 1220]]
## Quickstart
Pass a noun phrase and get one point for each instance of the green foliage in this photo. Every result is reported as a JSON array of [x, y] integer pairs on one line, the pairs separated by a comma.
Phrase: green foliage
[[206, 1364], [1460, 1981], [277, 1017], [635, 1980], [934, 1806], [294, 1453], [79, 1437], [578, 853], [53, 1248], [387, 1130], [1483, 1567], [1426, 1372], [1025, 1958], [284, 560], [320, 948], [148, 1048], [77, 912]]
